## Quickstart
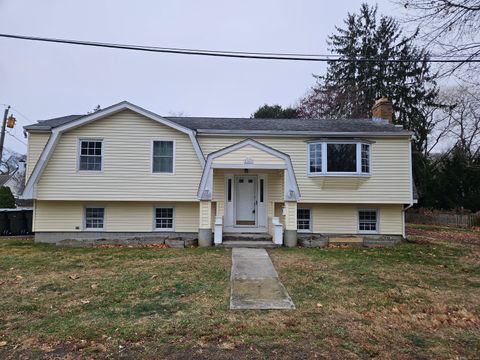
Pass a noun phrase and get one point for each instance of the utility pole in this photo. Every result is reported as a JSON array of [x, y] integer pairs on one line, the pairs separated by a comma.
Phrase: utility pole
[[2, 135]]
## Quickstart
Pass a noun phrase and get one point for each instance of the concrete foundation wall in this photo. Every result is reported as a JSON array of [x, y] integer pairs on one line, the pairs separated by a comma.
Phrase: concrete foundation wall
[[323, 240], [82, 239]]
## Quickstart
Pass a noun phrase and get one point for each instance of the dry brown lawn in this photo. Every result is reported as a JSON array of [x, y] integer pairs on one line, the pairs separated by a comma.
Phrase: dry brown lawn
[[419, 300]]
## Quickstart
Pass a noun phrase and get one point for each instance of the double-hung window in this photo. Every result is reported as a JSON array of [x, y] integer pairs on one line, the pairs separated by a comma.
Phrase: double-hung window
[[164, 218], [91, 155], [368, 220], [94, 218], [304, 222], [163, 156], [339, 158]]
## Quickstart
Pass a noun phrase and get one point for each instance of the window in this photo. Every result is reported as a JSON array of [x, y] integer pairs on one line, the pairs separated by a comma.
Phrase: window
[[304, 220], [368, 220], [164, 218], [94, 218], [315, 152], [163, 157], [341, 157], [365, 158], [262, 190], [338, 158], [90, 155], [229, 194]]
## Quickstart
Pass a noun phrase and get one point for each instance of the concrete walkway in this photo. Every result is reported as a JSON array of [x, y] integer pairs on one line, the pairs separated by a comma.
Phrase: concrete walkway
[[254, 282]]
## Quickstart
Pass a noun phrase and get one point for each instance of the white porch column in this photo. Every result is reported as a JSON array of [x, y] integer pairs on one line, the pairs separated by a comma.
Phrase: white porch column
[[205, 224], [290, 239]]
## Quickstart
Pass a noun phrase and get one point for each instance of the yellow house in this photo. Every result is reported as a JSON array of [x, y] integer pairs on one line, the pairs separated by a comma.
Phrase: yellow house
[[127, 174]]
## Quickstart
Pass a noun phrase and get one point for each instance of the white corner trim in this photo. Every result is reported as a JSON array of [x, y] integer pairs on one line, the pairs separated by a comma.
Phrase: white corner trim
[[30, 187], [205, 186]]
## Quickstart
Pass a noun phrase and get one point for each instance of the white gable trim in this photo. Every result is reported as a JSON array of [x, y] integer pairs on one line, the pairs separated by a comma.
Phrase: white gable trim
[[205, 189], [30, 187]]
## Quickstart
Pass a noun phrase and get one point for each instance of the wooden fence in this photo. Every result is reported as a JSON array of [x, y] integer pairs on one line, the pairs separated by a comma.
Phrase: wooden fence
[[443, 218]]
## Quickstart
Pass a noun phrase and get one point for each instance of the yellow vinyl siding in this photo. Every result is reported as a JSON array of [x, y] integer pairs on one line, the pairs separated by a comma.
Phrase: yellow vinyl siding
[[257, 156], [36, 144], [127, 162], [121, 216], [343, 218], [389, 182]]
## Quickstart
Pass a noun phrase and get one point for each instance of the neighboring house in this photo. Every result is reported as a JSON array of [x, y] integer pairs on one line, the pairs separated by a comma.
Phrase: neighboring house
[[125, 172]]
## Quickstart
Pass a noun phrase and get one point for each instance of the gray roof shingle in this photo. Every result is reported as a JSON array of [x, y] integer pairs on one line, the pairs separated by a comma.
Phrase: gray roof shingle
[[294, 125], [205, 124]]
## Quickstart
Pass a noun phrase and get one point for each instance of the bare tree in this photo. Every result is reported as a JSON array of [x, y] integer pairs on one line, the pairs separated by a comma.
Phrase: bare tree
[[453, 26], [460, 122], [14, 165]]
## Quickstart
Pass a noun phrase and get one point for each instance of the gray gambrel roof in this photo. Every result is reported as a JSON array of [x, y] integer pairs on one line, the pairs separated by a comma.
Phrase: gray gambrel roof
[[225, 125]]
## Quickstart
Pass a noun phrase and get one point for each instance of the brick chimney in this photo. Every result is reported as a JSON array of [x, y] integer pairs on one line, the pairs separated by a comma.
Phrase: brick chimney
[[382, 110]]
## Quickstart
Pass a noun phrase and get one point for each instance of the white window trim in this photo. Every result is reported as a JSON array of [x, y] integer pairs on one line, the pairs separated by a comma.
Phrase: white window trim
[[358, 149], [310, 230], [377, 211], [174, 157], [79, 153], [164, 206], [96, 206]]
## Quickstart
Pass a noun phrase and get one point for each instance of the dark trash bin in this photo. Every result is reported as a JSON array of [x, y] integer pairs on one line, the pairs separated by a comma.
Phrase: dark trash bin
[[28, 218], [18, 223], [4, 224]]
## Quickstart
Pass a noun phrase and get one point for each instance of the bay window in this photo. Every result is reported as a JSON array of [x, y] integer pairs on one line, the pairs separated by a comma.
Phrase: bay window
[[339, 158]]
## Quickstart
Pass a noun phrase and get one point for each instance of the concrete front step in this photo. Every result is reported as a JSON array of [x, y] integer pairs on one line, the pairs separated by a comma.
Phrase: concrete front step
[[257, 244], [246, 237]]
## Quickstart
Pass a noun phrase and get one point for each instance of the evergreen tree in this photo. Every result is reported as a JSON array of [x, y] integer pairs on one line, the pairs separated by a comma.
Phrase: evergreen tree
[[350, 88], [6, 198], [275, 112]]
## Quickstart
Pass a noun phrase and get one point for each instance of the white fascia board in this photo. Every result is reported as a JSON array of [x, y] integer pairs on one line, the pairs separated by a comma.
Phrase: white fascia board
[[30, 188]]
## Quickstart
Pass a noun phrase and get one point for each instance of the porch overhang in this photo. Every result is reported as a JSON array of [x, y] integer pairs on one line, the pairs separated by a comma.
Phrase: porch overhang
[[249, 154]]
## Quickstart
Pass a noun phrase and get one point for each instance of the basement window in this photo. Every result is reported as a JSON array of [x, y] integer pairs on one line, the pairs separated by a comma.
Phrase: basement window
[[368, 220], [164, 220], [339, 158], [304, 220], [94, 218]]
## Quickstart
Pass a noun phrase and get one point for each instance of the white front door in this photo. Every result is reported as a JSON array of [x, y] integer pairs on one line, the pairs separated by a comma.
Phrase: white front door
[[246, 200]]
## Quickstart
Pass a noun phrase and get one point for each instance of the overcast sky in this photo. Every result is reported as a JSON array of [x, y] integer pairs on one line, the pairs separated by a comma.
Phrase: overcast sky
[[42, 80]]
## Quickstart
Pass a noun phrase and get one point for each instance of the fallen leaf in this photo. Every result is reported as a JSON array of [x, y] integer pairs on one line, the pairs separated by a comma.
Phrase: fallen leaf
[[73, 277], [94, 286], [85, 301], [3, 343], [19, 277], [154, 276], [319, 305]]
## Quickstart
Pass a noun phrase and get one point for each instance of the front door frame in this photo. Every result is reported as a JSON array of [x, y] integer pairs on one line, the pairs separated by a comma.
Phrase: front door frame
[[260, 207], [255, 199]]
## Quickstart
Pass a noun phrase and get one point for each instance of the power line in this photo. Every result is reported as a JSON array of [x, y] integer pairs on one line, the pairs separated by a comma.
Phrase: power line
[[25, 117], [238, 54], [23, 142]]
